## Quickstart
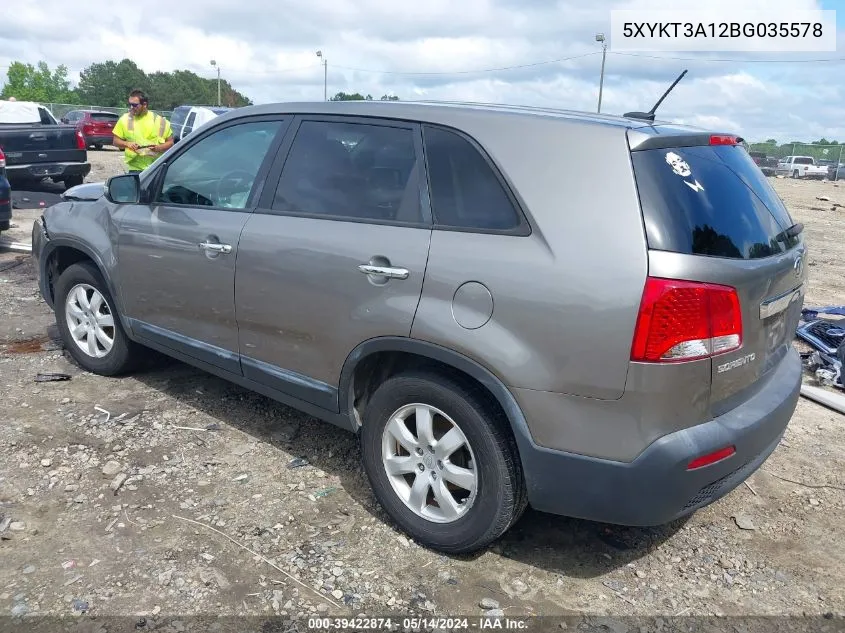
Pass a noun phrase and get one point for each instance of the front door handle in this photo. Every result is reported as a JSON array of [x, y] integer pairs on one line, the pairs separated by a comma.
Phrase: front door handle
[[215, 247], [384, 271]]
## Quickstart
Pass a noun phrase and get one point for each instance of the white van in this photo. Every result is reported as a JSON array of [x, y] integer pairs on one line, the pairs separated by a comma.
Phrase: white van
[[185, 119]]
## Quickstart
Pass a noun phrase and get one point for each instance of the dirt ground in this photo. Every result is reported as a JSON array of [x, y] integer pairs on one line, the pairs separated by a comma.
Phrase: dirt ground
[[115, 499]]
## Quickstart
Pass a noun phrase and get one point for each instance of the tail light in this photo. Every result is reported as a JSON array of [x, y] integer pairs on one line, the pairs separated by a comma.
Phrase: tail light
[[724, 139], [686, 320], [2, 158], [80, 141]]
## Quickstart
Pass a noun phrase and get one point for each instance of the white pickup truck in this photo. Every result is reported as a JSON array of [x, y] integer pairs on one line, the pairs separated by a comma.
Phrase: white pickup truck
[[800, 167]]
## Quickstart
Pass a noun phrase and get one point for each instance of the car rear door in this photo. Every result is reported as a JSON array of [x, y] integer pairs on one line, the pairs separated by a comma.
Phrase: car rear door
[[178, 252], [335, 253], [711, 216]]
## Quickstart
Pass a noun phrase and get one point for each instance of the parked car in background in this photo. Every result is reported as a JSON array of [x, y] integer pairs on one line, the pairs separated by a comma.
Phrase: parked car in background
[[767, 164], [37, 146], [438, 304], [186, 119], [95, 125], [801, 167], [5, 196]]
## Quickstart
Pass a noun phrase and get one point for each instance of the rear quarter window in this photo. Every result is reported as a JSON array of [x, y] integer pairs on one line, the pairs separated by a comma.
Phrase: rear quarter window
[[709, 200]]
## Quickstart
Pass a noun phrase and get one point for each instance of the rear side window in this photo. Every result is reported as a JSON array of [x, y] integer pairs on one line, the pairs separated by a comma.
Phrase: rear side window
[[710, 200], [465, 193]]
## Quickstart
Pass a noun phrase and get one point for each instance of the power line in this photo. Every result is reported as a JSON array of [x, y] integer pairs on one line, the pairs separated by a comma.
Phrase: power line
[[469, 72], [547, 62]]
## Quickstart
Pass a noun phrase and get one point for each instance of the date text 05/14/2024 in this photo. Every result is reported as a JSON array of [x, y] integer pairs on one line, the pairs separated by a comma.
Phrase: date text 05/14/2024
[[481, 623]]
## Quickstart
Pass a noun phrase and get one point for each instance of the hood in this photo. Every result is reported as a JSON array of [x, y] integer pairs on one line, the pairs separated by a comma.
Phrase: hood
[[85, 191]]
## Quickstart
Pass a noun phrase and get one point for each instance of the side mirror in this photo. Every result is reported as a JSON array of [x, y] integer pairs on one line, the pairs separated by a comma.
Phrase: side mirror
[[124, 189]]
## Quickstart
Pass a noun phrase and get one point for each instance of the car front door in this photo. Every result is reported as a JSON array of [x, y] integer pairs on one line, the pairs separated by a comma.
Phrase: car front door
[[334, 254], [177, 253]]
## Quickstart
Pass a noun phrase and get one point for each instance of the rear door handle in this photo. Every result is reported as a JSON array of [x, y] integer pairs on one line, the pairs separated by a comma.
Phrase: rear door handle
[[384, 271], [217, 248]]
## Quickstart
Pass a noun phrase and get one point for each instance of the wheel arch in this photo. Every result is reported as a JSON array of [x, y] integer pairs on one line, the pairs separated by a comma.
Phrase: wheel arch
[[362, 370], [58, 255]]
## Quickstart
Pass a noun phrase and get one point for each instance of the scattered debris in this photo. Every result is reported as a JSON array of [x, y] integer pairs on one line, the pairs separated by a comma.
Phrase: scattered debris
[[52, 377], [209, 427], [101, 410], [831, 400], [80, 606], [242, 477], [112, 468], [256, 554], [744, 522], [298, 462], [117, 482]]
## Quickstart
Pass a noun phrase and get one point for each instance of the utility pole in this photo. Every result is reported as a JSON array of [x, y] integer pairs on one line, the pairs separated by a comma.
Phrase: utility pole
[[214, 63], [600, 38], [325, 75]]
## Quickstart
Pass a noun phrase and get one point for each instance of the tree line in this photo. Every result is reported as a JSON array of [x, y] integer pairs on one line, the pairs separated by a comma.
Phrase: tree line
[[107, 84]]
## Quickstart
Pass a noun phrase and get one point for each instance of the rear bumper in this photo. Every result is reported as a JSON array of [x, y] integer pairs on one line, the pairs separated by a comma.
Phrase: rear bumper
[[48, 170], [656, 488], [98, 139]]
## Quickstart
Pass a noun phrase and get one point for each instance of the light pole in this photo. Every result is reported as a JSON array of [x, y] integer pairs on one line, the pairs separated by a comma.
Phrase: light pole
[[214, 63], [600, 38], [325, 75]]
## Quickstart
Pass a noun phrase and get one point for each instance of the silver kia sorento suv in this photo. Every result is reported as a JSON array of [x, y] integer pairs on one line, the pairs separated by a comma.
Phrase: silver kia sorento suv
[[587, 314]]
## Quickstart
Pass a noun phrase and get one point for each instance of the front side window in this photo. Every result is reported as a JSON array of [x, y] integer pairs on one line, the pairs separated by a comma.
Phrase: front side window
[[220, 170], [351, 170]]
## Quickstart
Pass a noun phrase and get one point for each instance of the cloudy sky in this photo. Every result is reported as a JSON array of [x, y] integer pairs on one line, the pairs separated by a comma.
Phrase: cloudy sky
[[536, 52]]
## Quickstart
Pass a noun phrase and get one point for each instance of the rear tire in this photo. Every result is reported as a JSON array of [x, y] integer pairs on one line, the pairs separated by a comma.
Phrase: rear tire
[[98, 342], [98, 146], [795, 174], [477, 479], [73, 181]]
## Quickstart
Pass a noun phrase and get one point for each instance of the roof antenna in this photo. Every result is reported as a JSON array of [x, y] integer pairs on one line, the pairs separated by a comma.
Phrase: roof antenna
[[649, 116]]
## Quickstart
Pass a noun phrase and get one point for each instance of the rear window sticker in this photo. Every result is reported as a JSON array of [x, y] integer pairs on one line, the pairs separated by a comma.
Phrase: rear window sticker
[[682, 169]]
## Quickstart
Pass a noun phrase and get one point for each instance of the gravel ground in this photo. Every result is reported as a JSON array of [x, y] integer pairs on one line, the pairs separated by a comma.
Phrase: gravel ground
[[173, 492]]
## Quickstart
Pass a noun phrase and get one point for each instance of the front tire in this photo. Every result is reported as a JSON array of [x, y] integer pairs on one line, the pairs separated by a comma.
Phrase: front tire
[[442, 461], [89, 324]]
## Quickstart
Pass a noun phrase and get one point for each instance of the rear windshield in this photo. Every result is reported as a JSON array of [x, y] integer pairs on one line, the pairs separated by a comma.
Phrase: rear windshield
[[710, 200], [104, 116]]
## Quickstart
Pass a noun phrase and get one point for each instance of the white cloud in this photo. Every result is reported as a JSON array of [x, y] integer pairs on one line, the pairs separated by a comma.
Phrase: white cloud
[[266, 49]]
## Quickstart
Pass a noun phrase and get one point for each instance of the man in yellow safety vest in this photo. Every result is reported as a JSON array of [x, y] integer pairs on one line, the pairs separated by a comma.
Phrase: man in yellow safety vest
[[142, 135]]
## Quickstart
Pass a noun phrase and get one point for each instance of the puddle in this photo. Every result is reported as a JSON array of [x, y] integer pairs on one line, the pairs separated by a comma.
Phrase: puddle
[[50, 342]]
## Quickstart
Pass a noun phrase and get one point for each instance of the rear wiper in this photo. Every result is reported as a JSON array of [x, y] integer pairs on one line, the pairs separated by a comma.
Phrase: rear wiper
[[791, 233]]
